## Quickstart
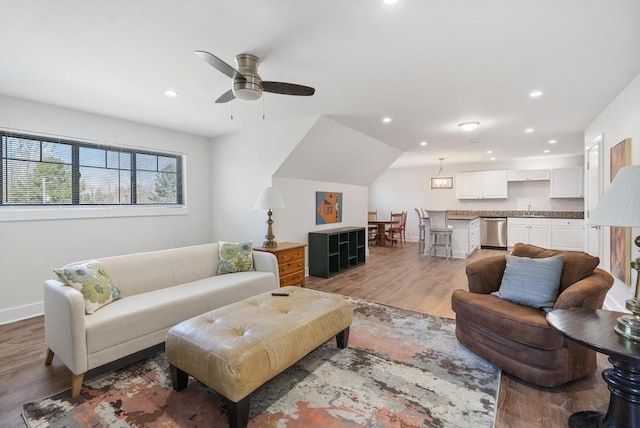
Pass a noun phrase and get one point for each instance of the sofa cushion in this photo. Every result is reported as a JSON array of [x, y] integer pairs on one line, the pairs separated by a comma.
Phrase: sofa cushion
[[235, 257], [518, 323], [137, 316], [531, 282], [577, 264], [93, 281]]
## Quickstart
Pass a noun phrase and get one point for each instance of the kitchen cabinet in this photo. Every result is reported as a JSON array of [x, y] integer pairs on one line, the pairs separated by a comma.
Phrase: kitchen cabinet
[[528, 175], [482, 185], [465, 238], [535, 231], [567, 182], [567, 234], [290, 256]]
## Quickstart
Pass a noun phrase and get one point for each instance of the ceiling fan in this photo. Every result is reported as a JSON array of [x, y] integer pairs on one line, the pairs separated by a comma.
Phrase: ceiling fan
[[247, 83]]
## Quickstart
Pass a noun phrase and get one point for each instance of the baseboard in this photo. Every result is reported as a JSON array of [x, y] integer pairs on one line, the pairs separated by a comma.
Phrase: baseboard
[[21, 312]]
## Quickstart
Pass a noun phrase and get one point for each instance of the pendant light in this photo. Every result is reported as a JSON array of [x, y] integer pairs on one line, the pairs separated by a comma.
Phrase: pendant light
[[440, 181]]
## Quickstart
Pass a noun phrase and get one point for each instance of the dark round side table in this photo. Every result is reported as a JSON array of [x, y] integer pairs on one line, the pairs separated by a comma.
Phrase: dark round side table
[[593, 328]]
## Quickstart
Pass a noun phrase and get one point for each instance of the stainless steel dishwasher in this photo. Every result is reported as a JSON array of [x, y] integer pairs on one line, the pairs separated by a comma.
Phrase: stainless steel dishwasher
[[493, 232]]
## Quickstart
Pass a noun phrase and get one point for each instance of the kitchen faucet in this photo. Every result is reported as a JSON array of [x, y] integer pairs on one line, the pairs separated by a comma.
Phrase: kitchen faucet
[[529, 212]]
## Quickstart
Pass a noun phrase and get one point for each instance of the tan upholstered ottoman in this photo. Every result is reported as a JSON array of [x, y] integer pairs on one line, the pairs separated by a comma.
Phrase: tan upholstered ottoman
[[237, 348]]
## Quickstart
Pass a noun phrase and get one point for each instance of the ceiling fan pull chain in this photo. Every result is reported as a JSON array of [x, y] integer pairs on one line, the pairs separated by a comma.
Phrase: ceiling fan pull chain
[[263, 107], [231, 109]]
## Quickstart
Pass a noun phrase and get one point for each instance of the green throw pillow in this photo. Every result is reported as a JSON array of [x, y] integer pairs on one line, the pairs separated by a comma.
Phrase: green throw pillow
[[531, 282], [93, 281], [235, 257]]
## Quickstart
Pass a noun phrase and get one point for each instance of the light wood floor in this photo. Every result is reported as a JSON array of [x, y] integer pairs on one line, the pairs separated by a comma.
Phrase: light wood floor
[[399, 277]]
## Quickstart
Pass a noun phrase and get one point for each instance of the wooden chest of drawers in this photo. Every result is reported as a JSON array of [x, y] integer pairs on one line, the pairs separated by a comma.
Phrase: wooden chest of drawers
[[291, 262]]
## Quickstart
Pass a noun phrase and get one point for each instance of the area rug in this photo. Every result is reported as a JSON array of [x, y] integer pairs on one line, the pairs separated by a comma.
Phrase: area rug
[[401, 369]]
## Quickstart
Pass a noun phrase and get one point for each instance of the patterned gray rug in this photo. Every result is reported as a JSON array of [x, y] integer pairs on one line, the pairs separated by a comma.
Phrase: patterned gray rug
[[401, 369]]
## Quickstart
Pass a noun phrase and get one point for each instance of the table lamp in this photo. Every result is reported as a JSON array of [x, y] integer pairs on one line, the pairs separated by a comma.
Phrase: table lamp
[[269, 199], [620, 206]]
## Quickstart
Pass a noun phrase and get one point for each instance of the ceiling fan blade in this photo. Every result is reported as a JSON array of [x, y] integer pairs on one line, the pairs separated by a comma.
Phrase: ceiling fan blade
[[220, 65], [226, 97], [287, 88]]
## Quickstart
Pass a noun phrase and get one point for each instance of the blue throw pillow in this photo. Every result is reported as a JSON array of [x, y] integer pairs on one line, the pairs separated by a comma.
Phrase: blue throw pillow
[[531, 282]]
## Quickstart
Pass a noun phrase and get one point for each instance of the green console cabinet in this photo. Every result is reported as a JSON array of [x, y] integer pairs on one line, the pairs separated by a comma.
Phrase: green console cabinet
[[333, 251]]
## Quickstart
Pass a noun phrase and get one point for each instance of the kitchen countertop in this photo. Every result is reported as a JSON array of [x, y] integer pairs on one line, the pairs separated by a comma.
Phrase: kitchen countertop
[[462, 216], [453, 214]]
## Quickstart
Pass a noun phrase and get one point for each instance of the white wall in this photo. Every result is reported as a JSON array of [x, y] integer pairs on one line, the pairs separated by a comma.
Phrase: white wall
[[403, 189], [29, 250], [256, 155], [619, 120]]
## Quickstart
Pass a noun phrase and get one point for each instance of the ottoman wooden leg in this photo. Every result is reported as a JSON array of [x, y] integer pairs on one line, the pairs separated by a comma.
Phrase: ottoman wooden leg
[[239, 412], [342, 338], [179, 378]]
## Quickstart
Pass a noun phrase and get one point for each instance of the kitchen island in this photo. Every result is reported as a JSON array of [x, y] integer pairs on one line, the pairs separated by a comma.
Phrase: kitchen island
[[465, 239]]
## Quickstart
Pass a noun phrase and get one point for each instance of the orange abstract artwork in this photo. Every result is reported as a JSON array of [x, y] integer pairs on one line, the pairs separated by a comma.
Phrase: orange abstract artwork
[[328, 207]]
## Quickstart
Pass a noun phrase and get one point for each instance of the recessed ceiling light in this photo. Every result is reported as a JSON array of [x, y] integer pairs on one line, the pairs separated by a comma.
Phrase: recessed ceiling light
[[528, 130], [552, 141], [535, 94], [423, 143], [546, 151], [469, 126], [489, 152], [386, 119], [170, 93]]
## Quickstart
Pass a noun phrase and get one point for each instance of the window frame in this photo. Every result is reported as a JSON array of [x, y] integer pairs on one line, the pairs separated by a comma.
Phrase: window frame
[[76, 209]]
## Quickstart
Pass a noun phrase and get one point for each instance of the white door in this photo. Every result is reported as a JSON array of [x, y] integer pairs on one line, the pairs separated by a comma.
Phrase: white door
[[593, 191]]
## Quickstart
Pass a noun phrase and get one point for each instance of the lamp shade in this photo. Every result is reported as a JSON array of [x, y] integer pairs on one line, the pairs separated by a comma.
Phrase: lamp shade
[[269, 199], [620, 204]]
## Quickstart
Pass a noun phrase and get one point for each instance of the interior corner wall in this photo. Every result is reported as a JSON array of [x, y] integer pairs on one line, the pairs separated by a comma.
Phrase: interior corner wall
[[29, 250], [245, 163], [619, 120], [242, 165]]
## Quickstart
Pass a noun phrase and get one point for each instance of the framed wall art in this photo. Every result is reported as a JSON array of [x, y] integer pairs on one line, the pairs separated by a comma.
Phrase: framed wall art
[[328, 207], [620, 237]]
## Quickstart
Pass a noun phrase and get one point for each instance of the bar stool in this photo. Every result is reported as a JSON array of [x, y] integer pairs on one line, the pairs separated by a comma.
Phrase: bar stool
[[421, 230], [439, 227]]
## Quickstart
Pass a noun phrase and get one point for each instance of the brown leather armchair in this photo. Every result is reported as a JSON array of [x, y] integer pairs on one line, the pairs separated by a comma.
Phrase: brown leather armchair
[[517, 338]]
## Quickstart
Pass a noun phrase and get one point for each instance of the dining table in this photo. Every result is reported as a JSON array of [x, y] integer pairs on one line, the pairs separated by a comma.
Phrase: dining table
[[381, 235]]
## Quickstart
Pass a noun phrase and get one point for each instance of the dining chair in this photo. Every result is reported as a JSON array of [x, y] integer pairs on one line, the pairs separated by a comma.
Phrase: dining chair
[[421, 229], [398, 227], [439, 227], [372, 228]]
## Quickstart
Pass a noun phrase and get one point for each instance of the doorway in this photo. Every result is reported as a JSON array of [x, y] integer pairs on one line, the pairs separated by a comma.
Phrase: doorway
[[594, 190]]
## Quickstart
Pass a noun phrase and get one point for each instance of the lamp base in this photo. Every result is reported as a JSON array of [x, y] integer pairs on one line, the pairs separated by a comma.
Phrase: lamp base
[[629, 325], [269, 244]]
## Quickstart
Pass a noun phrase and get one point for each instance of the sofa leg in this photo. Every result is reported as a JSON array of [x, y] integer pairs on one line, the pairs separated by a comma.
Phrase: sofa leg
[[342, 338], [76, 384], [49, 359]]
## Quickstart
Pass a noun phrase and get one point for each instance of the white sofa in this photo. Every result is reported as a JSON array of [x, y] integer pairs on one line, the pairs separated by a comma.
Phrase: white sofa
[[159, 289]]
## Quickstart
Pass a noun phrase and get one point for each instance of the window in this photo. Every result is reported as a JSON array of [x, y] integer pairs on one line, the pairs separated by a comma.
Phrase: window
[[40, 171]]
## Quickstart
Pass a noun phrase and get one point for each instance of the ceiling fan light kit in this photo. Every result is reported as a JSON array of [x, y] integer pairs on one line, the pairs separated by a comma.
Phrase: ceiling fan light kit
[[247, 83]]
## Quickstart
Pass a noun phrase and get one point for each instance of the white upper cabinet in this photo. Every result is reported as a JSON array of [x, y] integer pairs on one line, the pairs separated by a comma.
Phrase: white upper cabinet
[[468, 185], [528, 175], [567, 182], [482, 185]]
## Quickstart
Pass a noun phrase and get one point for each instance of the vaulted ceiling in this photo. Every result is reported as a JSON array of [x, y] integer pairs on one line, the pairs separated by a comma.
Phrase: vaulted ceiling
[[427, 64]]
